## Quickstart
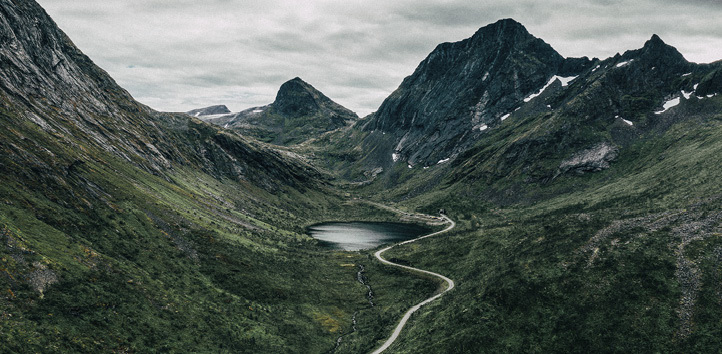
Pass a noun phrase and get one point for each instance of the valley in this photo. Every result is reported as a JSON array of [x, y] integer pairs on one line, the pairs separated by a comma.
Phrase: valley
[[579, 198]]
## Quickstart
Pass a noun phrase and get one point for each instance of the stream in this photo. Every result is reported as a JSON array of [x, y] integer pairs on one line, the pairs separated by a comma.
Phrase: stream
[[370, 296]]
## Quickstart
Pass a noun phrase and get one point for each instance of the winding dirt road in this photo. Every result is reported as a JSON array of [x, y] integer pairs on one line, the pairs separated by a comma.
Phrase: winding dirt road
[[449, 282]]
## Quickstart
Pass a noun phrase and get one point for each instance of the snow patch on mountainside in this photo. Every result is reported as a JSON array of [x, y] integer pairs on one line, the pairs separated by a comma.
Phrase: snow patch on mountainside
[[668, 105], [624, 63], [564, 80], [214, 116]]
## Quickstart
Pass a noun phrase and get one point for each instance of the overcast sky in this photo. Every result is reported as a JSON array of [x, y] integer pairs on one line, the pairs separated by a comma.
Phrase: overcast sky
[[176, 55]]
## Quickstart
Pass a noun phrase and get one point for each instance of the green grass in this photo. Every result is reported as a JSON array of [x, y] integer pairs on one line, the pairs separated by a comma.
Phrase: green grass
[[531, 277]]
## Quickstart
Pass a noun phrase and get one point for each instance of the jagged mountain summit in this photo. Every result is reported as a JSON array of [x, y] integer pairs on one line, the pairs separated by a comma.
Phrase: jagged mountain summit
[[299, 112], [465, 91], [461, 89]]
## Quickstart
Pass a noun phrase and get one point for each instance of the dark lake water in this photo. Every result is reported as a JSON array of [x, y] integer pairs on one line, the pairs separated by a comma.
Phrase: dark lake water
[[354, 236]]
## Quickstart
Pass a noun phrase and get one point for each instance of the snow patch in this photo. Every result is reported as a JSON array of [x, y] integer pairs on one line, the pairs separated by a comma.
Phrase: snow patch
[[687, 74], [226, 126], [426, 167], [686, 95], [410, 167], [596, 68], [395, 157], [629, 122], [257, 110], [198, 114], [505, 117], [486, 76], [668, 105], [444, 161], [695, 87], [564, 80], [215, 116], [483, 127], [624, 63]]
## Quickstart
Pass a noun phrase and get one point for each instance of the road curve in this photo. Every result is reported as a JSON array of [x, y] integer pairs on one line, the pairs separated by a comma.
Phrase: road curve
[[407, 315]]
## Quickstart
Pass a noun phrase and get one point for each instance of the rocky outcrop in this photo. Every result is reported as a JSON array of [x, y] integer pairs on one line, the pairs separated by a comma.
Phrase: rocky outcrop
[[594, 159], [711, 84], [300, 112]]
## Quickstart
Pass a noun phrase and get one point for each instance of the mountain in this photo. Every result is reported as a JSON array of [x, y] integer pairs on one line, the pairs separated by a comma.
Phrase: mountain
[[592, 208], [209, 111], [460, 90], [587, 202], [299, 113], [621, 101]]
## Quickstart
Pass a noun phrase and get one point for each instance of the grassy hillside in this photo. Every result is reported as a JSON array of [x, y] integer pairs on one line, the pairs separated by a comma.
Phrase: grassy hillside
[[624, 260], [101, 255], [123, 229]]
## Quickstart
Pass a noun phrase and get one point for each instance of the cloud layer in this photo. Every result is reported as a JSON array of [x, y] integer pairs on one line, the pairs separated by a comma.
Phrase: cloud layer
[[182, 54]]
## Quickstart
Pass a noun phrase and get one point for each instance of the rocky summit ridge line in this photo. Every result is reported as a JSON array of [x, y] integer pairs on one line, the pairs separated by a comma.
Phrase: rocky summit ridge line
[[464, 93], [461, 88]]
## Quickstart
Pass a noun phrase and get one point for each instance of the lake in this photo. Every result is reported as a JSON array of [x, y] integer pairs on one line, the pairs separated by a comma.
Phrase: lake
[[355, 236]]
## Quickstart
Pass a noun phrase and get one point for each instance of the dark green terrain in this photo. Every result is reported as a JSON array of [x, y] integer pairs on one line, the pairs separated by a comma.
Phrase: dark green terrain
[[129, 230], [588, 209]]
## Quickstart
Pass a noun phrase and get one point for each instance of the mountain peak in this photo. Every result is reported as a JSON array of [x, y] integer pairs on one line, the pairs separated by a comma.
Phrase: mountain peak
[[505, 25], [508, 23], [462, 87], [655, 43], [298, 98], [502, 29], [656, 49]]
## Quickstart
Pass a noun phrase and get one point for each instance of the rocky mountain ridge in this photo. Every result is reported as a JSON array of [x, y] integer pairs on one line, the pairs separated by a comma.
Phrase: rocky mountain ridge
[[299, 112], [464, 92], [462, 88], [209, 111]]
